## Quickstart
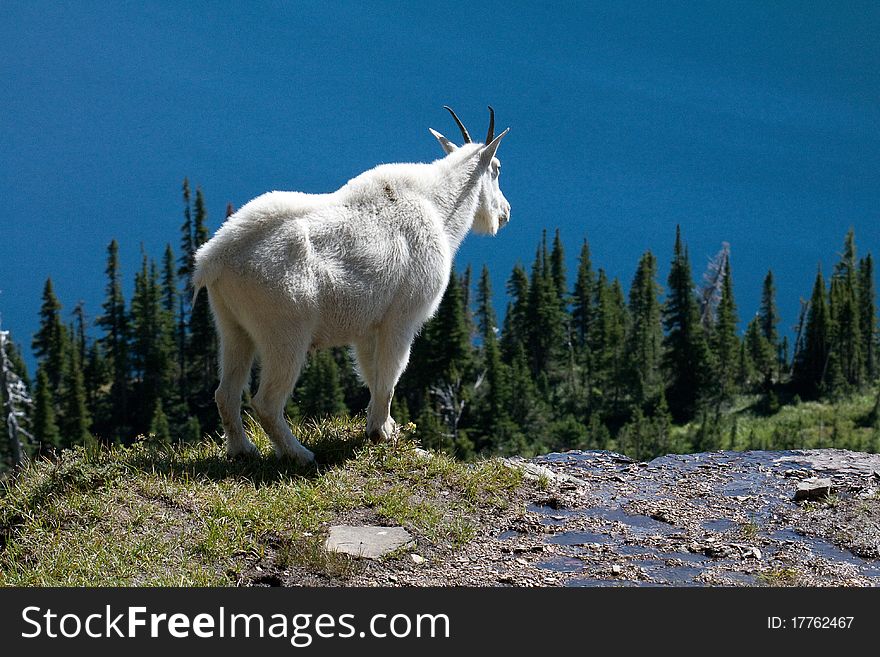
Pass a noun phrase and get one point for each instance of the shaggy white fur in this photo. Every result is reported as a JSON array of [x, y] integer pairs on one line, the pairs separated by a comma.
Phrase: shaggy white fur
[[365, 266]]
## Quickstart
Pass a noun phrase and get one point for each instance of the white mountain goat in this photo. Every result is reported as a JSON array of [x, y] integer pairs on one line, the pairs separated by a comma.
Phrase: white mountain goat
[[365, 265]]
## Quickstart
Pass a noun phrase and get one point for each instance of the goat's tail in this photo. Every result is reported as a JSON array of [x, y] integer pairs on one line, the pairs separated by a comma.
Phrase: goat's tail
[[205, 273]]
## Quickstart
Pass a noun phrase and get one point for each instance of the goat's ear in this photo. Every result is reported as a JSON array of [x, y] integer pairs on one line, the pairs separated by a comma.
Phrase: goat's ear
[[445, 144], [489, 150]]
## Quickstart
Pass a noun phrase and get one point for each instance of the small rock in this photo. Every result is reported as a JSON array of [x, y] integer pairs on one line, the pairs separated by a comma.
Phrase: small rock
[[417, 558], [813, 489], [616, 569]]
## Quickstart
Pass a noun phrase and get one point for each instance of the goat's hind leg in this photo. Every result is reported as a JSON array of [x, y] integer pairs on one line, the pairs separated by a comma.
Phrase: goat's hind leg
[[280, 370], [236, 359]]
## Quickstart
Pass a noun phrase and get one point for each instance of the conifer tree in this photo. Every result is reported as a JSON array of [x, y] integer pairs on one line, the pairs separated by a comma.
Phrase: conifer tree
[[51, 341], [846, 340], [45, 428], [761, 353], [76, 420], [544, 315], [607, 341], [187, 241], [582, 298], [160, 431], [557, 271], [644, 338], [768, 314], [202, 338], [320, 392], [516, 321], [487, 321], [114, 345], [685, 349], [448, 333], [812, 359], [724, 340], [867, 304], [151, 346], [169, 282], [496, 399]]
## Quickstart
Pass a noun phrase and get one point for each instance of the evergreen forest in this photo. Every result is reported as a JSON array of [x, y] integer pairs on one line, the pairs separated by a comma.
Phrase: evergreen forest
[[579, 361]]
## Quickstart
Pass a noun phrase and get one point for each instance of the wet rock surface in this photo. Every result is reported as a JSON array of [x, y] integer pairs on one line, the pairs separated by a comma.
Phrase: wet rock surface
[[601, 519], [723, 518]]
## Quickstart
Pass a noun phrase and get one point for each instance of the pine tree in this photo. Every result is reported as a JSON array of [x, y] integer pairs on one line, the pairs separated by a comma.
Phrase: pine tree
[[496, 398], [868, 316], [761, 352], [812, 359], [487, 322], [582, 299], [160, 431], [76, 420], [202, 338], [169, 282], [846, 340], [516, 322], [544, 315], [187, 241], [768, 314], [769, 320], [607, 342], [45, 428], [151, 345], [686, 352], [114, 321], [448, 333], [724, 341], [51, 341], [557, 271], [320, 391], [644, 338]]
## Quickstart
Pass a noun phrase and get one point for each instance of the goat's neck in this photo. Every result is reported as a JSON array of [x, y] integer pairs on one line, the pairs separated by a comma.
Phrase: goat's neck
[[456, 198]]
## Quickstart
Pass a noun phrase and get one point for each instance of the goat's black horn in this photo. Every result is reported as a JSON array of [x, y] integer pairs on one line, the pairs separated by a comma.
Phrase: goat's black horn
[[491, 134], [464, 133]]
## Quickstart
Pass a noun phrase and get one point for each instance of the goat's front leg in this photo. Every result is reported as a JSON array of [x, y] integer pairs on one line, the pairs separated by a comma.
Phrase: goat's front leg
[[390, 358], [365, 356]]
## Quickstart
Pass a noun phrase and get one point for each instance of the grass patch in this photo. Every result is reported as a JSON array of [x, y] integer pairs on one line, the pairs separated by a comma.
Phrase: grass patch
[[782, 576], [185, 515], [749, 530]]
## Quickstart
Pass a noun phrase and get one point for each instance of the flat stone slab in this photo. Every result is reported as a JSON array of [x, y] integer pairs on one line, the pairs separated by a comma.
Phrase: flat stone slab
[[367, 541], [813, 489]]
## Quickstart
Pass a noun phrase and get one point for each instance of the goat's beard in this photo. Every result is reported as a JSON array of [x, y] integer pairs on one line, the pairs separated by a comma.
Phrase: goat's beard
[[485, 223]]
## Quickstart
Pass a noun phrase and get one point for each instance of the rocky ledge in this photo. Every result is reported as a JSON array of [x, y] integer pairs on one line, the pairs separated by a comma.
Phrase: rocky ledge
[[716, 519]]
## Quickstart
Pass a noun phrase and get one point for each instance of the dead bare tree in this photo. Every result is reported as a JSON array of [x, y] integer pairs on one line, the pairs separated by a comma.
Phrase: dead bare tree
[[16, 399], [713, 284]]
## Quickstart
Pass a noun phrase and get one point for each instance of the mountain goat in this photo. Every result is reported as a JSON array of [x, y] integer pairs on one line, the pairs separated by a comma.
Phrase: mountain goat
[[365, 266]]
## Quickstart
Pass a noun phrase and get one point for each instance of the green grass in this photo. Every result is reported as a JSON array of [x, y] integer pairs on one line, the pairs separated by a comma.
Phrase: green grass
[[780, 576], [845, 424], [187, 515]]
